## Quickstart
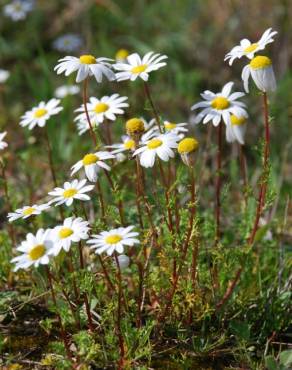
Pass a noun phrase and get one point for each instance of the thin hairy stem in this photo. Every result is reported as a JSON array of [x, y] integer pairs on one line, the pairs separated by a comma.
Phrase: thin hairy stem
[[260, 203], [85, 86], [155, 112]]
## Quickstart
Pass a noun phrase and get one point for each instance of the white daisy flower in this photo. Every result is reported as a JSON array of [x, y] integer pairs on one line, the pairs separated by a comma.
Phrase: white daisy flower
[[4, 75], [176, 128], [72, 231], [70, 191], [161, 146], [35, 250], [85, 66], [128, 144], [65, 90], [261, 70], [236, 130], [105, 108], [27, 211], [92, 163], [39, 115], [18, 9], [3, 144], [248, 49], [139, 67], [114, 240], [219, 106], [68, 43]]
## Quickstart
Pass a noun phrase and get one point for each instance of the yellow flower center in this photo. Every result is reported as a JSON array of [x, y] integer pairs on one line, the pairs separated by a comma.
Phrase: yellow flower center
[[69, 193], [40, 112], [129, 144], [260, 62], [37, 252], [139, 69], [89, 159], [188, 145], [154, 143], [28, 211], [134, 126], [220, 103], [113, 239], [87, 59], [237, 121], [101, 108], [169, 125], [65, 232], [251, 48], [122, 54]]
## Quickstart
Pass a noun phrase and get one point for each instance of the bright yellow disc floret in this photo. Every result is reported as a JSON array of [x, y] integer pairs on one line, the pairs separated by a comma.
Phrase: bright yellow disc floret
[[237, 121], [220, 103], [65, 232], [87, 59], [188, 145], [135, 126], [37, 252], [260, 62], [89, 159], [113, 239]]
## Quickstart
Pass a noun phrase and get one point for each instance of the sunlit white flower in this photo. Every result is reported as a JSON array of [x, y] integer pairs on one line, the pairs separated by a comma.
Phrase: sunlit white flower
[[65, 90], [219, 106], [261, 70], [105, 108], [92, 163], [18, 9], [3, 144], [236, 130], [35, 250], [27, 211], [114, 240], [70, 191], [85, 66], [176, 128], [68, 43], [71, 231], [4, 75], [39, 115], [248, 49], [139, 67], [128, 144], [161, 146]]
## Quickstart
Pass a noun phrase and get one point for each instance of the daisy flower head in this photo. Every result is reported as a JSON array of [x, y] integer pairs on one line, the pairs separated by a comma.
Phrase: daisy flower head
[[248, 49], [186, 148], [92, 163], [101, 109], [135, 128], [121, 55], [161, 145], [261, 70], [71, 231], [114, 240], [35, 250], [66, 90], [27, 211], [4, 75], [136, 66], [70, 191], [39, 115], [236, 130], [3, 144], [86, 66], [127, 145], [68, 43], [219, 106], [176, 128], [18, 9]]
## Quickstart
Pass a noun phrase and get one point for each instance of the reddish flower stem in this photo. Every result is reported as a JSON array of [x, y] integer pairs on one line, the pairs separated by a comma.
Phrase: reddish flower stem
[[260, 204]]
